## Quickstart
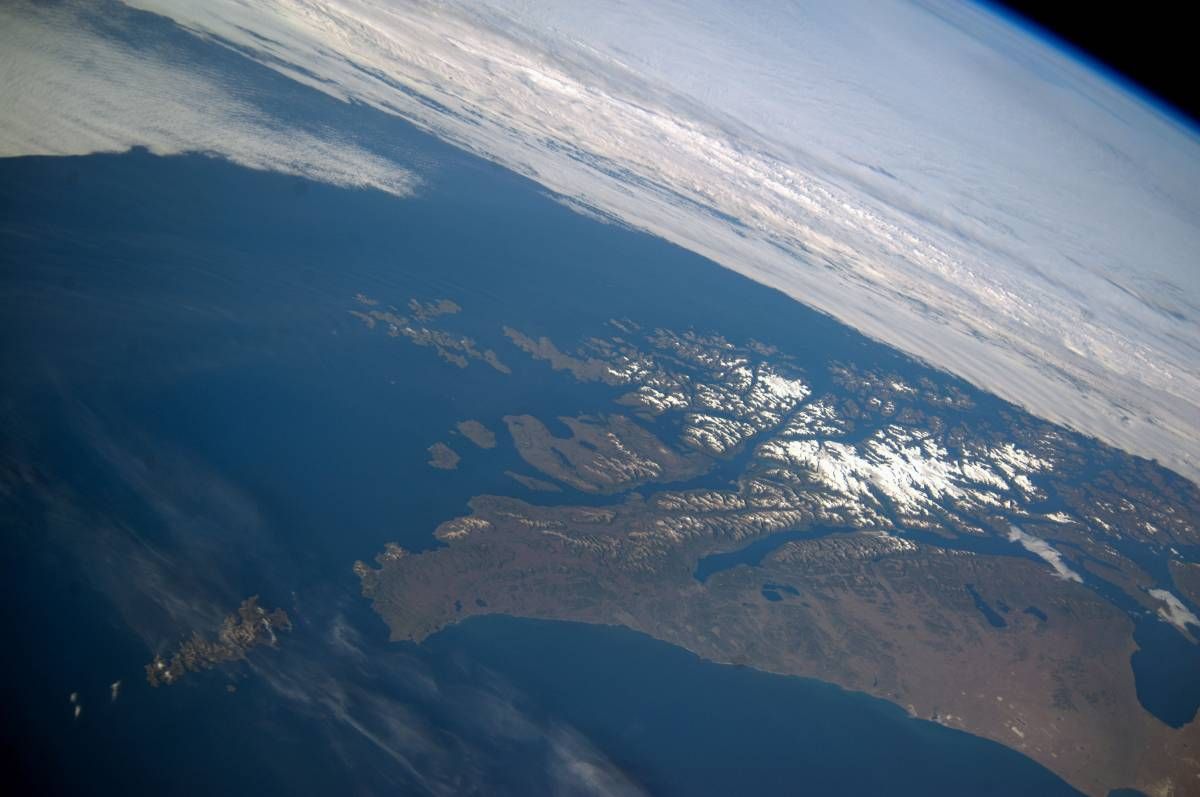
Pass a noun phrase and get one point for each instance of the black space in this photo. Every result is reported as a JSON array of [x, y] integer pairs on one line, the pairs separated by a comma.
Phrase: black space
[[1151, 44]]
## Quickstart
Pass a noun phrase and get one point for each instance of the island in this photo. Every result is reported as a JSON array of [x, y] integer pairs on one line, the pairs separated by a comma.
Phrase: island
[[477, 433], [423, 328], [533, 483], [443, 457], [249, 627]]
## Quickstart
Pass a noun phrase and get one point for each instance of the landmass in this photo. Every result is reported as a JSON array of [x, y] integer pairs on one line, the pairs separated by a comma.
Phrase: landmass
[[477, 433], [427, 311], [602, 455], [533, 483], [872, 612], [249, 627], [443, 457], [422, 329], [1187, 576], [860, 526]]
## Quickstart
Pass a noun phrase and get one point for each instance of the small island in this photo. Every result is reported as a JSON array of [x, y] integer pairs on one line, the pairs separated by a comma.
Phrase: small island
[[443, 457], [533, 483], [477, 433], [249, 627], [424, 328]]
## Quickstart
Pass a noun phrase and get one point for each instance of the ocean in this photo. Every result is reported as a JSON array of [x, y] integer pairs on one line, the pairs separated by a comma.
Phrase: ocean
[[191, 415]]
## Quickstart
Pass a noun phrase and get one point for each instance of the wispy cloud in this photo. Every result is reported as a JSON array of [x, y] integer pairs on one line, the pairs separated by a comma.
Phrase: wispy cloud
[[69, 87], [1044, 550], [446, 729], [579, 768], [927, 173], [1174, 611]]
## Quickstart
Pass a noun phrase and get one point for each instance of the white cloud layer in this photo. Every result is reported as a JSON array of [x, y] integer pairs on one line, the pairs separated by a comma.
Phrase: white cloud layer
[[67, 90], [1174, 612], [1043, 550], [927, 173]]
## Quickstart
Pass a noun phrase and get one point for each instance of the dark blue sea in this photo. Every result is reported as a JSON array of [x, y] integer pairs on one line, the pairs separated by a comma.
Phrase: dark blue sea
[[190, 416]]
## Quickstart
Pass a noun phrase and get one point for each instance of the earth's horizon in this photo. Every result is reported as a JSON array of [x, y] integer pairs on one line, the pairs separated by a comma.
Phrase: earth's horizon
[[442, 399]]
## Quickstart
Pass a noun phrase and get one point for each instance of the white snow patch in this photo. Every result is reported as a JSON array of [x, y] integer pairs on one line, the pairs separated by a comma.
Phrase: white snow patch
[[905, 465], [909, 469], [982, 474], [1013, 460], [784, 388], [817, 419]]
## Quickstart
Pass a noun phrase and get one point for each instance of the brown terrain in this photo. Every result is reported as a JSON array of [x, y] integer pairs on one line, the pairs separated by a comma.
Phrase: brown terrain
[[916, 550], [602, 455], [865, 610], [251, 626], [477, 433], [443, 457]]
